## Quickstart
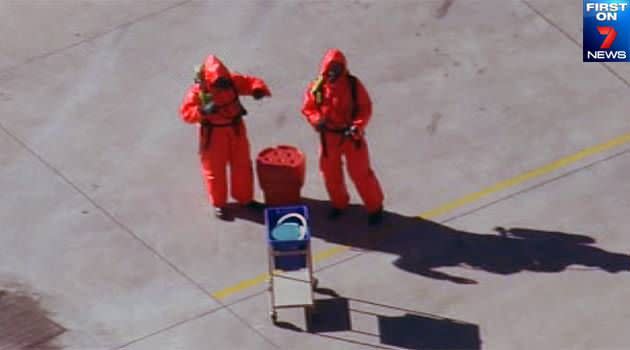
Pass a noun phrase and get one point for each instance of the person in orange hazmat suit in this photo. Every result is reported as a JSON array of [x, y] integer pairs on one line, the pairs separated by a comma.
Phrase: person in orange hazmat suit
[[338, 106], [213, 103]]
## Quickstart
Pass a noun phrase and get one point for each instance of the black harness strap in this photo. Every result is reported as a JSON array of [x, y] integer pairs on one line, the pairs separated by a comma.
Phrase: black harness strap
[[353, 92], [322, 137], [355, 104], [206, 128], [235, 100], [205, 139], [344, 131]]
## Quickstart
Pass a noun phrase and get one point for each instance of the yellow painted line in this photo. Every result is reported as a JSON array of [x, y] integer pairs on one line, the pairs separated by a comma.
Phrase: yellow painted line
[[263, 277], [242, 285], [329, 253], [448, 207], [517, 180]]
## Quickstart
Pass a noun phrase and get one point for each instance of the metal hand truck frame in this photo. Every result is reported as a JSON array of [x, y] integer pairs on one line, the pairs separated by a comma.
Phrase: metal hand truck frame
[[291, 280]]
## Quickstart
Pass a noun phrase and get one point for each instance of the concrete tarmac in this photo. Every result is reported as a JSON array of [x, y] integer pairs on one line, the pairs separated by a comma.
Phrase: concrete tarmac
[[484, 117]]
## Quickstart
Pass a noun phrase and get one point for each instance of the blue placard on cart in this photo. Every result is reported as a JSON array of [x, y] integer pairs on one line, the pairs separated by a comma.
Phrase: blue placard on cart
[[287, 230]]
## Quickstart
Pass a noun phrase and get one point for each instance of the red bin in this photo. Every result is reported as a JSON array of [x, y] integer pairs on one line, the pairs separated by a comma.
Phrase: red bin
[[282, 196], [281, 171]]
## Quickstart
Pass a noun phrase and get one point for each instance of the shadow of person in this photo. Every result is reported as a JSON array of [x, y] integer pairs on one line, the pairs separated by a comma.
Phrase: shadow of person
[[423, 246]]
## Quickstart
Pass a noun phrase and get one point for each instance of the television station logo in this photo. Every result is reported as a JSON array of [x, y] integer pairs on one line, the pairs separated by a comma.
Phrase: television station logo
[[606, 32]]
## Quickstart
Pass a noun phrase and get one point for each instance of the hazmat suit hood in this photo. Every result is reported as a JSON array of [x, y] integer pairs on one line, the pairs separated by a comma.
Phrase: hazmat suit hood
[[333, 55], [214, 69]]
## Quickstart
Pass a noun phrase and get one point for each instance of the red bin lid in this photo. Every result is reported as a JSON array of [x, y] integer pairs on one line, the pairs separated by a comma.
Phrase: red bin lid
[[281, 155]]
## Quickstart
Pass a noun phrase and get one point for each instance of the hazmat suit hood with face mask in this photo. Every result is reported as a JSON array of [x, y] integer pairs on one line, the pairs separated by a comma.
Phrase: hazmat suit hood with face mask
[[334, 65], [213, 70]]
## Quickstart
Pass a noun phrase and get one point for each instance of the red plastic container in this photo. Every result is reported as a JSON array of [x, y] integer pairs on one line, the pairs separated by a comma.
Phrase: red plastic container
[[281, 171], [282, 196]]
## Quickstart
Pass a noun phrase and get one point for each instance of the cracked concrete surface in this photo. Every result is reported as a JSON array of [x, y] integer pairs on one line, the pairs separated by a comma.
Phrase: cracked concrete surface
[[103, 214]]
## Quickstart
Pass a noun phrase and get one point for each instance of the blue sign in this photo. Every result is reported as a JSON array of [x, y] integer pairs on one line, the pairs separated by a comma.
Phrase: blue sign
[[606, 33]]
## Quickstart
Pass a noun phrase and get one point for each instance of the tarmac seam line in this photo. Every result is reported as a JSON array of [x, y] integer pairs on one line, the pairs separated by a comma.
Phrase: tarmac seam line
[[171, 326], [572, 39], [129, 231], [228, 305], [130, 22], [538, 185]]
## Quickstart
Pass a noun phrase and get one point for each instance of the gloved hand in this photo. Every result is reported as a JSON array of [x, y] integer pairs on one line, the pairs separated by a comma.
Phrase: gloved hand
[[258, 94], [208, 108], [354, 132]]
